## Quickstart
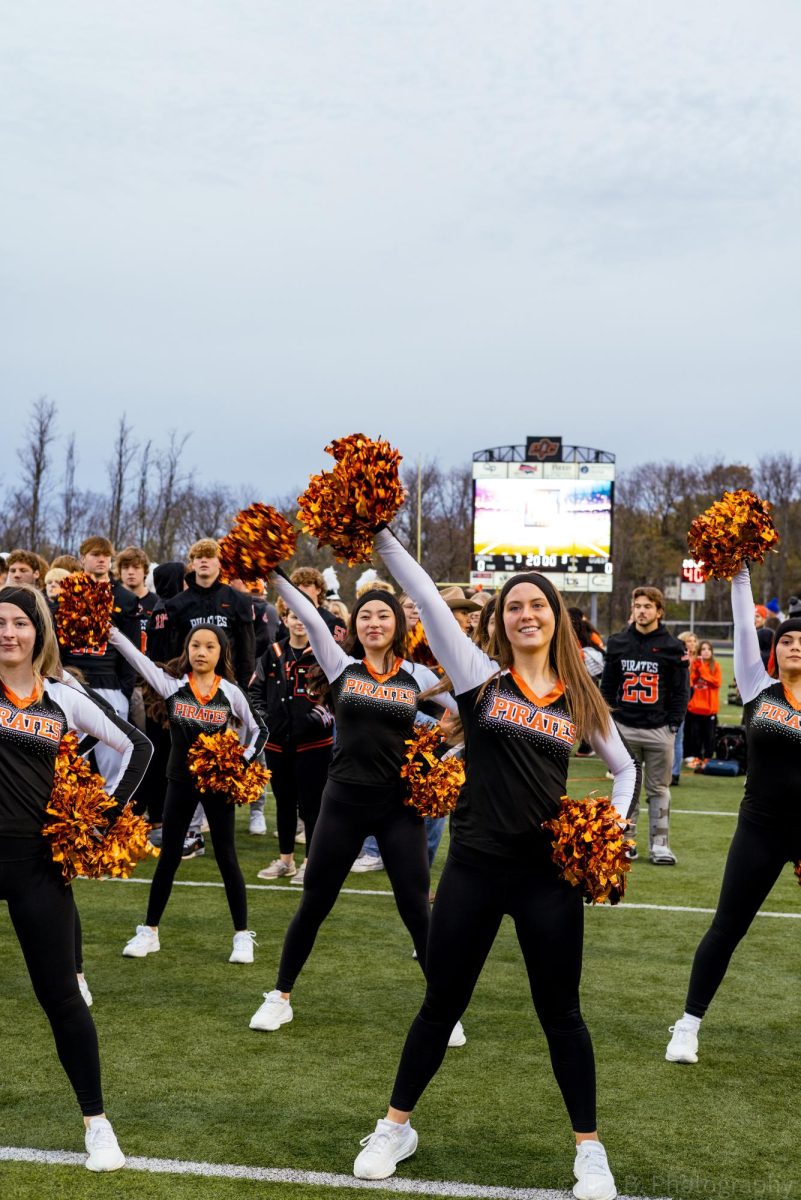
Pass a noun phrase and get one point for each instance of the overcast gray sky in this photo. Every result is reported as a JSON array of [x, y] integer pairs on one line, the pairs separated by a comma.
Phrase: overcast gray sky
[[454, 223]]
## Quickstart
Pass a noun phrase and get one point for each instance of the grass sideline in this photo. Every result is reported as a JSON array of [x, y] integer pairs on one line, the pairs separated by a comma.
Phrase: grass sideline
[[185, 1078]]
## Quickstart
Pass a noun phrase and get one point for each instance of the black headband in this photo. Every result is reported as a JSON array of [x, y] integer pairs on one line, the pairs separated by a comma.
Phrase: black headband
[[25, 599]]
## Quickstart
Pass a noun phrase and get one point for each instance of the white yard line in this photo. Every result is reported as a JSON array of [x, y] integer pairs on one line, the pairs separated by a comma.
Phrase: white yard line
[[702, 812], [288, 890], [405, 1187]]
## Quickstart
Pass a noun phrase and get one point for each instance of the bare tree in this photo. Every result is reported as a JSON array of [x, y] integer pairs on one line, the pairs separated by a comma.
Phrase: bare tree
[[142, 516], [117, 467], [69, 498], [778, 479], [34, 458], [171, 481]]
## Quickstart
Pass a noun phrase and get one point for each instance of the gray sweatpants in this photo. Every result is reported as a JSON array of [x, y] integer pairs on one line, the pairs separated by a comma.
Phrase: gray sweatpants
[[653, 748]]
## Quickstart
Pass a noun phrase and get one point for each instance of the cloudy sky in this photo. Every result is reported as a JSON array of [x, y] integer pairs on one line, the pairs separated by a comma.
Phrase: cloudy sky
[[455, 223]]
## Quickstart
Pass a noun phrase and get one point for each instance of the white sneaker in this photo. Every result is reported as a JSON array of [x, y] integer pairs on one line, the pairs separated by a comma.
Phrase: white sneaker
[[458, 1036], [274, 1012], [300, 834], [299, 875], [278, 869], [83, 988], [102, 1147], [145, 941], [683, 1046], [243, 947], [368, 862], [257, 824], [595, 1181], [662, 856], [384, 1149]]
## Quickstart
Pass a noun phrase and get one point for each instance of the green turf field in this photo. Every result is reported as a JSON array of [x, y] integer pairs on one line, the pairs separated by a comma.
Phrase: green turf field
[[185, 1078]]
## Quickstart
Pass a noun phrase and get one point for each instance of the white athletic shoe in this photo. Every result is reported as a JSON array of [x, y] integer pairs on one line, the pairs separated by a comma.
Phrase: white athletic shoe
[[102, 1147], [257, 824], [274, 1012], [145, 941], [243, 947], [683, 1046], [367, 862], [384, 1149], [300, 833], [458, 1036], [299, 875], [595, 1181], [278, 869], [83, 988]]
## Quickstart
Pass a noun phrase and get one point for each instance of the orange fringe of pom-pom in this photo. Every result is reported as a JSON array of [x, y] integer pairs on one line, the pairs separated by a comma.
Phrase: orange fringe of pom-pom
[[260, 538], [434, 783], [735, 529], [417, 647], [341, 508], [80, 837], [797, 870], [217, 762], [590, 847], [83, 615]]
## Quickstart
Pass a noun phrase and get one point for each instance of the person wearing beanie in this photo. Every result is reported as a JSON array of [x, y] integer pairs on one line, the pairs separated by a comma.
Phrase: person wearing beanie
[[768, 833], [374, 693]]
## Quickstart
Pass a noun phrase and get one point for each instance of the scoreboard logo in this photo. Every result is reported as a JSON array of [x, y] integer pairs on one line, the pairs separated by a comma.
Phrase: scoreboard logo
[[544, 449]]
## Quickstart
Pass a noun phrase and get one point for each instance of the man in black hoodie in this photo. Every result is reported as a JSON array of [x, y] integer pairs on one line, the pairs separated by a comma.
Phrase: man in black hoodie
[[646, 684], [205, 600]]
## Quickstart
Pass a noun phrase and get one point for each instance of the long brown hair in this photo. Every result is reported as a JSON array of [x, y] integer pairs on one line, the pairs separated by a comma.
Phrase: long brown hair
[[178, 667], [588, 710]]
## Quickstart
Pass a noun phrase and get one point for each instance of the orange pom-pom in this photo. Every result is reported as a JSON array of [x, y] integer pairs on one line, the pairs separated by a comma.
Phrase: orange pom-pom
[[434, 783], [590, 848], [341, 508], [736, 529], [217, 762], [417, 647], [260, 538], [80, 837], [83, 615]]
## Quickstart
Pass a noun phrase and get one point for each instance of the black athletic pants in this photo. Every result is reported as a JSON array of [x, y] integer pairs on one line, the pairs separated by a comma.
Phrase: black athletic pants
[[298, 780], [42, 912], [473, 896], [348, 814], [756, 859], [699, 736], [179, 805]]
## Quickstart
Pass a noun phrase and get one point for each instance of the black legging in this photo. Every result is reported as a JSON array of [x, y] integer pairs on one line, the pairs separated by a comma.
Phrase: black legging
[[78, 943], [549, 922], [699, 735], [179, 805], [298, 779], [756, 858], [348, 815], [42, 912]]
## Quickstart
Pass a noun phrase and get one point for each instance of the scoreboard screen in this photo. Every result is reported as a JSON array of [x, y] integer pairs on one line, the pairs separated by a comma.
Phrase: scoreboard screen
[[554, 518]]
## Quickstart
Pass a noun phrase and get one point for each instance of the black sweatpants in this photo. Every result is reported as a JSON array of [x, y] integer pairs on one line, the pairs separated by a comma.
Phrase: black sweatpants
[[699, 736], [298, 780], [42, 912], [348, 815], [473, 896], [756, 858], [179, 805]]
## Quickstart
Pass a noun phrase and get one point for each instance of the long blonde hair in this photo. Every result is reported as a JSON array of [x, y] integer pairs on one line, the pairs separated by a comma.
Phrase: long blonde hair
[[46, 661], [588, 710]]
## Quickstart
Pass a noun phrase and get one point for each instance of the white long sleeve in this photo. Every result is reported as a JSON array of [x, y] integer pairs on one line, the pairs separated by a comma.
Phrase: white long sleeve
[[465, 664], [427, 679], [749, 670], [254, 734], [611, 749], [329, 654], [163, 684]]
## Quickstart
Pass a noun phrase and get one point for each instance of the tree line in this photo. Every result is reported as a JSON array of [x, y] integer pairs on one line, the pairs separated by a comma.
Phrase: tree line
[[149, 496]]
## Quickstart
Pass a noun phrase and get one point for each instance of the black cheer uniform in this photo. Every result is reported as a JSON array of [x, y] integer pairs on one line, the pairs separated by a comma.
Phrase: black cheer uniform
[[517, 748], [40, 904], [375, 716], [298, 749], [768, 833], [190, 715]]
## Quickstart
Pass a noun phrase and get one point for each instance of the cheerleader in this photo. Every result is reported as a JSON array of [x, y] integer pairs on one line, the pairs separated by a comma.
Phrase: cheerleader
[[522, 715], [768, 833], [37, 708], [374, 693], [201, 697]]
